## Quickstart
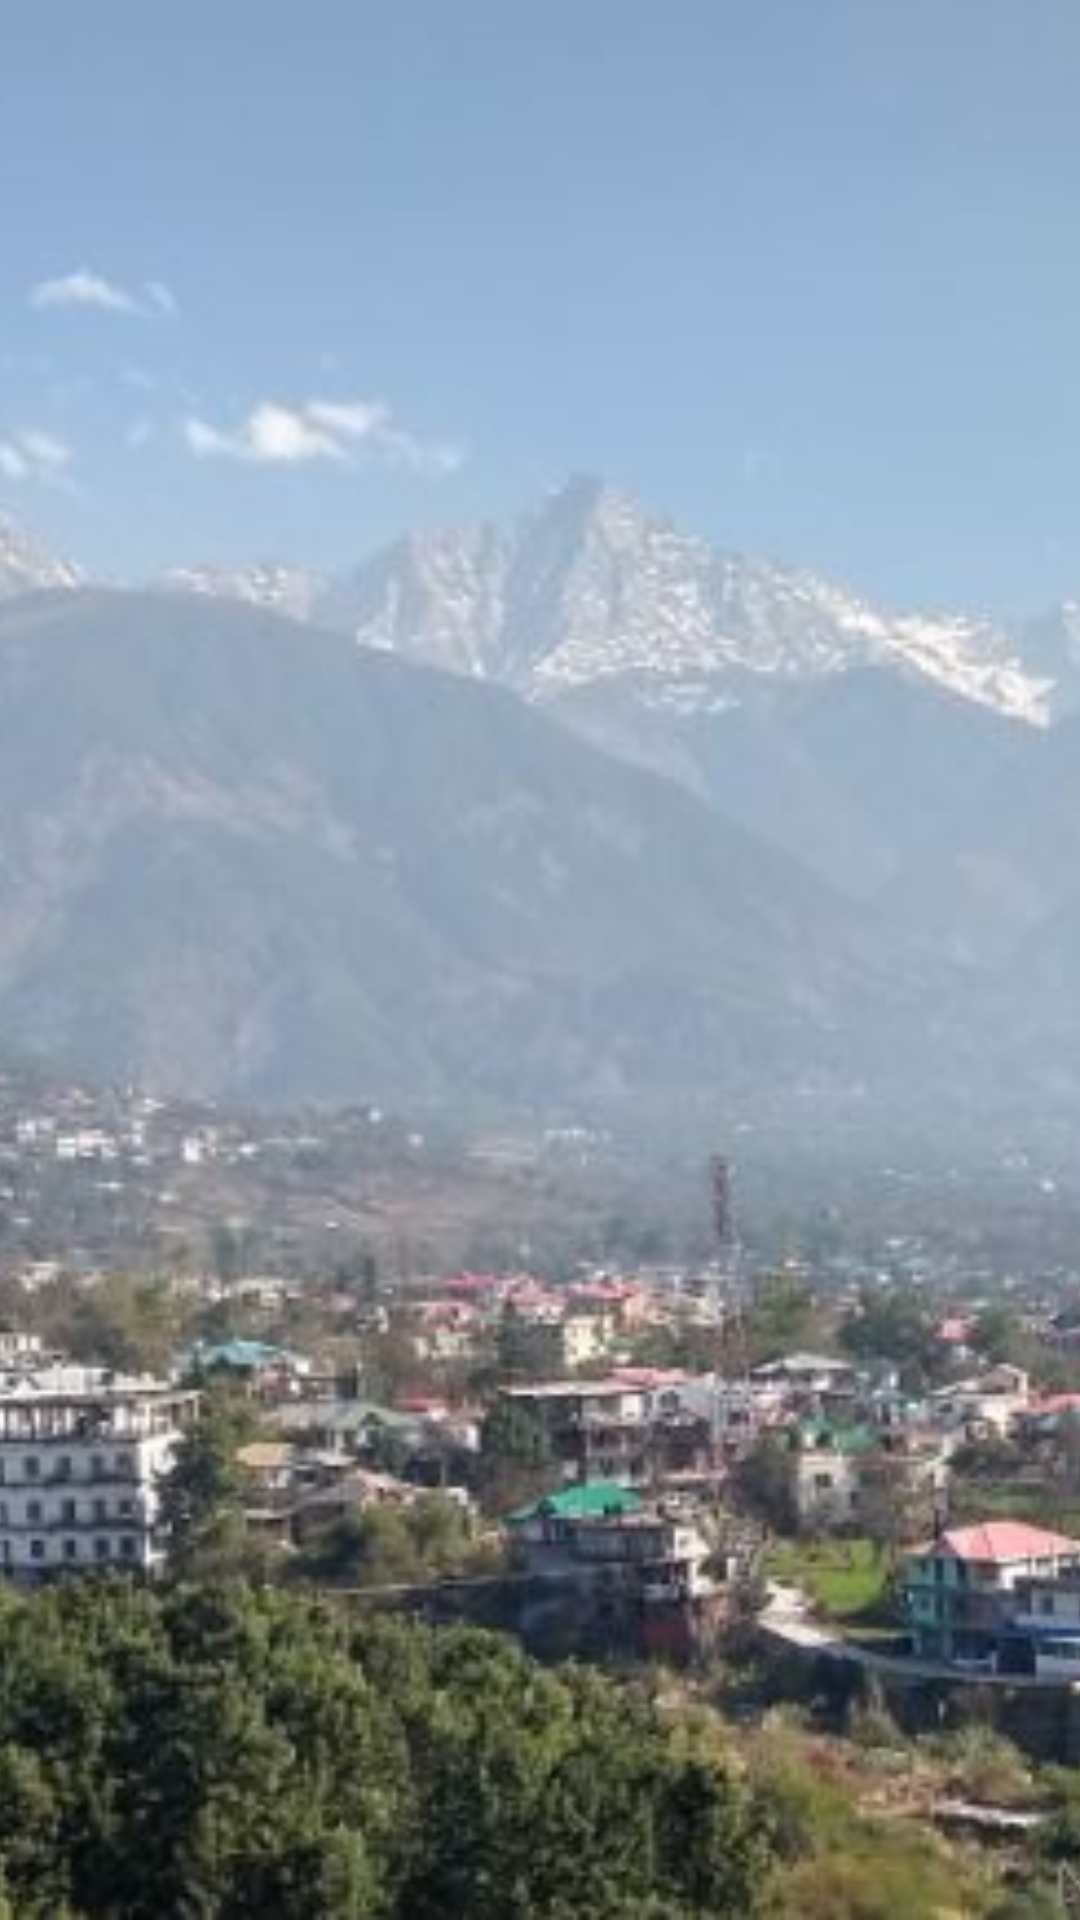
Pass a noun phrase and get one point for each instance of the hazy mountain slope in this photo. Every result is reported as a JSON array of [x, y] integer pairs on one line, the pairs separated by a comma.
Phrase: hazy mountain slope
[[859, 777], [1008, 874], [242, 856]]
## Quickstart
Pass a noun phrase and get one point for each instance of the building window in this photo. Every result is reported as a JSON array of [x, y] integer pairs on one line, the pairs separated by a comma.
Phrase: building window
[[1046, 1603], [101, 1549], [63, 1467], [31, 1466], [37, 1549], [33, 1512], [127, 1547], [125, 1466], [71, 1549], [97, 1466], [101, 1509], [126, 1509], [67, 1511]]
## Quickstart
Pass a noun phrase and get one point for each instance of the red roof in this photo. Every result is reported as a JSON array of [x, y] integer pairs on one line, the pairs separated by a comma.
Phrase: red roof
[[1004, 1540], [955, 1330]]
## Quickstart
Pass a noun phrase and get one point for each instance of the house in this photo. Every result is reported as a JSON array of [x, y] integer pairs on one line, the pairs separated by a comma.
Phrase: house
[[855, 1475], [630, 1427], [989, 1402], [268, 1372], [20, 1350], [268, 1466], [553, 1343], [268, 1471], [959, 1590], [325, 1506], [83, 1452], [1043, 1632], [551, 1519], [806, 1373], [825, 1469], [620, 1304], [646, 1567], [349, 1427]]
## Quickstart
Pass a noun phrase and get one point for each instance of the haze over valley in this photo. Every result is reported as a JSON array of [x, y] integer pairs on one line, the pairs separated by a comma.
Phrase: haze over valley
[[560, 820]]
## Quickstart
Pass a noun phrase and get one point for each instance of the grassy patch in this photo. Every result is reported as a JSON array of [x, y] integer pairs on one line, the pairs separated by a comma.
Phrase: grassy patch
[[1041, 1504], [846, 1578]]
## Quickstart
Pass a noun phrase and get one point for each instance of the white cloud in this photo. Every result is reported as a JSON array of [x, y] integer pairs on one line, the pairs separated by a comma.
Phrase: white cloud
[[93, 291], [32, 454], [341, 431]]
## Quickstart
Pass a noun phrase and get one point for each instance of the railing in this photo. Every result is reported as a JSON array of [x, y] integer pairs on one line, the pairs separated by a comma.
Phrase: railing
[[108, 1523], [55, 1477]]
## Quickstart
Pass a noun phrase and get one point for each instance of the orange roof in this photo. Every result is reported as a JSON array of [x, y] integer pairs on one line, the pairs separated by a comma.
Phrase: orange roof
[[1003, 1540]]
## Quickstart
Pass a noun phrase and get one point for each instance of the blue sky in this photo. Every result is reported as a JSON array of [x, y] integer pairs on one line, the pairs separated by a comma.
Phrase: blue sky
[[283, 278]]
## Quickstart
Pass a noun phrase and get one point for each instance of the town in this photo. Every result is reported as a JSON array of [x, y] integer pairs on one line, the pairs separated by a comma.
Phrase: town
[[619, 1457], [823, 1488]]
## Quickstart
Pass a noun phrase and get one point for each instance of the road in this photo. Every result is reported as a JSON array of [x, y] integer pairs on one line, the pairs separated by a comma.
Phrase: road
[[787, 1619]]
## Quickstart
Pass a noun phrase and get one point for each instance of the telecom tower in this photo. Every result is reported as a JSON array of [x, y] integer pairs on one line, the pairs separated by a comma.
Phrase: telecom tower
[[727, 1293]]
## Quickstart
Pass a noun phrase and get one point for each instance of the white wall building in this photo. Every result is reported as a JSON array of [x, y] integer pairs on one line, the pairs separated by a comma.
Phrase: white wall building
[[83, 1452]]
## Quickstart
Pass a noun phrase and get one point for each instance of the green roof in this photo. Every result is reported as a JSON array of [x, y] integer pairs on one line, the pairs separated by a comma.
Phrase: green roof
[[828, 1436], [586, 1499]]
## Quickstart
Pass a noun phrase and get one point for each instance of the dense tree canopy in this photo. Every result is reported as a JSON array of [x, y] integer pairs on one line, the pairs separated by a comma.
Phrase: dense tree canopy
[[219, 1752]]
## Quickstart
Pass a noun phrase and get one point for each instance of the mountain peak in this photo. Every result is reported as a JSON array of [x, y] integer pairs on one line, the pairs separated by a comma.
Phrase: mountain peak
[[271, 584], [592, 590], [28, 566]]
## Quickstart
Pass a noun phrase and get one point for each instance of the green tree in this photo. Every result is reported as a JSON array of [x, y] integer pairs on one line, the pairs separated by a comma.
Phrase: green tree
[[213, 1751], [765, 1482], [782, 1315], [894, 1324], [202, 1496], [516, 1461]]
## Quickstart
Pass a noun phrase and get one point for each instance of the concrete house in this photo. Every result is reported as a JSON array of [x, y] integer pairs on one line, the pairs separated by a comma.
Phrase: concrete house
[[83, 1452], [960, 1590]]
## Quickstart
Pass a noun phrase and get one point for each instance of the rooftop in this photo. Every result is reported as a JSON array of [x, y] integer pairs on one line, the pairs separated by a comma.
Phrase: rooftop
[[571, 1389], [802, 1363], [1001, 1541], [828, 1437], [66, 1382], [587, 1499]]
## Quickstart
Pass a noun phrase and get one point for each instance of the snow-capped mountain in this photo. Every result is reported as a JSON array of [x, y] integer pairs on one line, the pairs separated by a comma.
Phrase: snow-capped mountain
[[592, 589], [28, 567], [592, 598], [280, 589]]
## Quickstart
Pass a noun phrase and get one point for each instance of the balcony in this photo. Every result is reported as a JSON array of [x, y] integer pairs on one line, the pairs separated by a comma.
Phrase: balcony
[[111, 1523], [57, 1476]]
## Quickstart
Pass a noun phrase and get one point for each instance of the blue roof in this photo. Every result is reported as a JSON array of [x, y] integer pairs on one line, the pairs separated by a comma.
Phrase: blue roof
[[244, 1355]]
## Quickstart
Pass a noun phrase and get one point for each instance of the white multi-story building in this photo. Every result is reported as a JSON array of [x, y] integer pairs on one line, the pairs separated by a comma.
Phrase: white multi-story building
[[83, 1452]]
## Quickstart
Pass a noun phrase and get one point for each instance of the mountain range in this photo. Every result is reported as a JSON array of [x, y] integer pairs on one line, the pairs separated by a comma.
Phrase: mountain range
[[242, 856], [594, 819], [590, 589]]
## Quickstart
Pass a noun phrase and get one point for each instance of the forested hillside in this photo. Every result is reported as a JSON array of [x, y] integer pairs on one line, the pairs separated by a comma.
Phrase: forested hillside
[[244, 1755]]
